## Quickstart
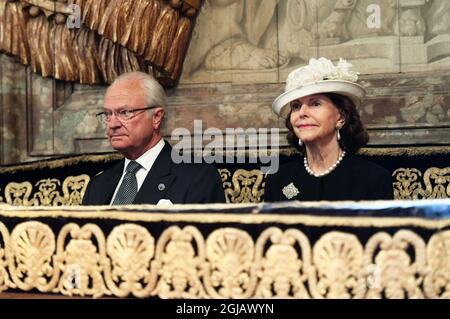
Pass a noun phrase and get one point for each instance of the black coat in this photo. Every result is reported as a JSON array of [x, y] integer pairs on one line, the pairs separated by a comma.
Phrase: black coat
[[183, 183], [353, 179]]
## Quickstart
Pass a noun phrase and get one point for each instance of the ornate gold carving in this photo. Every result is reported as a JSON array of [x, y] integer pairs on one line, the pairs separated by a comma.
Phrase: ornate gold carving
[[400, 274], [229, 272], [410, 185], [18, 194], [247, 187], [178, 263], [228, 265], [32, 249], [407, 180], [81, 261], [283, 273], [130, 248], [440, 177], [437, 281], [13, 30], [225, 174], [5, 282], [73, 189], [49, 5], [113, 37], [47, 191], [338, 260]]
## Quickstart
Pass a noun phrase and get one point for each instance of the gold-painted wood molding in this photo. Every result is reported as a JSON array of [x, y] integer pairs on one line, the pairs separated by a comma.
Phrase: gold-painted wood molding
[[103, 40], [50, 5], [222, 262]]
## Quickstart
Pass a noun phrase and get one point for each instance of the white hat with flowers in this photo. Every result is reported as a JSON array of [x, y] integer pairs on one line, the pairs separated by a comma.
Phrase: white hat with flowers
[[319, 76]]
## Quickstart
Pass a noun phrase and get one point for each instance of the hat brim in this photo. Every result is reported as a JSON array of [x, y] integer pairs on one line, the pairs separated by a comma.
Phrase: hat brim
[[352, 90]]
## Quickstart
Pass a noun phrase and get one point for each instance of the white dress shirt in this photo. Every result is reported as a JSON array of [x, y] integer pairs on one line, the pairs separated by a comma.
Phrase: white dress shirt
[[146, 161]]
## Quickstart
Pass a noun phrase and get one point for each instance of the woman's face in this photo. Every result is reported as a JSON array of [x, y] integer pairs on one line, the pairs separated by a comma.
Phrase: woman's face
[[314, 119]]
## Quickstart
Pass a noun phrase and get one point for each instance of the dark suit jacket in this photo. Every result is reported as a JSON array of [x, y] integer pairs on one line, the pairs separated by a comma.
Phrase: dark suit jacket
[[183, 183]]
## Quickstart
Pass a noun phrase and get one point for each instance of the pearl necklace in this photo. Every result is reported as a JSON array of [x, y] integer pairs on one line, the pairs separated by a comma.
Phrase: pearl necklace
[[328, 171]]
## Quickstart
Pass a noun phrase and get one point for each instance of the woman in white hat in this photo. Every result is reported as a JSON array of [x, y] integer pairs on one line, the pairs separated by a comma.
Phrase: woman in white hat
[[319, 106]]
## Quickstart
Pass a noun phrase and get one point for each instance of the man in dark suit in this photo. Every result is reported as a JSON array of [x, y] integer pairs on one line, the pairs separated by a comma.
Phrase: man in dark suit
[[133, 113]]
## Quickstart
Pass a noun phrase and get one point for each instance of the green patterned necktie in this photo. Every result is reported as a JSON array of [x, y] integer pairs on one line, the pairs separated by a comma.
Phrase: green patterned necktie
[[128, 189]]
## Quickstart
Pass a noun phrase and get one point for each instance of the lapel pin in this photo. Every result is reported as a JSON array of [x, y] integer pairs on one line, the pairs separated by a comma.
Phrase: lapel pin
[[161, 187], [290, 191]]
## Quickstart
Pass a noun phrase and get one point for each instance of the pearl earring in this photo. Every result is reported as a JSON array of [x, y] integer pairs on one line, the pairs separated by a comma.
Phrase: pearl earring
[[338, 135], [300, 143]]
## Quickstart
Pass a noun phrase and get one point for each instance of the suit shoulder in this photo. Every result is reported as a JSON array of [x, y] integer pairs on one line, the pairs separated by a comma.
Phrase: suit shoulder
[[98, 174], [107, 171], [194, 168]]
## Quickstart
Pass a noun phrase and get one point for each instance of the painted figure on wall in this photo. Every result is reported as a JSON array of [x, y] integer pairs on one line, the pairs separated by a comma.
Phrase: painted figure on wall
[[246, 39], [438, 17]]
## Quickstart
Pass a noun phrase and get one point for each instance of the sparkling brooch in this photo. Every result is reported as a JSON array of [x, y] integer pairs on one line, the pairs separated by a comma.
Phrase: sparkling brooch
[[290, 191]]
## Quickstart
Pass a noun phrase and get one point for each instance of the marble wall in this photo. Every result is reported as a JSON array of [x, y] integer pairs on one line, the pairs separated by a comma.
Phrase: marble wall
[[240, 54]]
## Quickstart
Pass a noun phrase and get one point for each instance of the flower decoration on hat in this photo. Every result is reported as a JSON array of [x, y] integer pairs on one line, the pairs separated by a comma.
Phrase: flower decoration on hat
[[319, 76]]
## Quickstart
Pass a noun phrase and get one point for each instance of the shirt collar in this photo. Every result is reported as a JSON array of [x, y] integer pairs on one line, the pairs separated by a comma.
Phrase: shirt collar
[[147, 159]]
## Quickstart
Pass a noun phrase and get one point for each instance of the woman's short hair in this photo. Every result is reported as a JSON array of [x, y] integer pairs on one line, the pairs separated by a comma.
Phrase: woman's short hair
[[353, 134]]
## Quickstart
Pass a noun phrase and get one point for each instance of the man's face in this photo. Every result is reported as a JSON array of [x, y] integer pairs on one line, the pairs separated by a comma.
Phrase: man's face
[[135, 136]]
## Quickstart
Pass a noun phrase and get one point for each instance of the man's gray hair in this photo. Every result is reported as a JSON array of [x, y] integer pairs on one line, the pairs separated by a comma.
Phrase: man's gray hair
[[154, 92]]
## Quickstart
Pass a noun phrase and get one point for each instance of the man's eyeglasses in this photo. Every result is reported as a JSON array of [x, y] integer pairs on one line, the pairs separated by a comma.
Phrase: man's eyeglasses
[[122, 115]]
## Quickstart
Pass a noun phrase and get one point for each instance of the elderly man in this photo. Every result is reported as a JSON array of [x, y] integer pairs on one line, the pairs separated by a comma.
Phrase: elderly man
[[133, 113]]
